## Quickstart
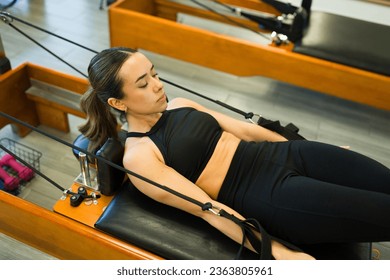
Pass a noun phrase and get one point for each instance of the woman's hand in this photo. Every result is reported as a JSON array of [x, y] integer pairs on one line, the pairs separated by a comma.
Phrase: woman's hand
[[294, 255], [281, 252]]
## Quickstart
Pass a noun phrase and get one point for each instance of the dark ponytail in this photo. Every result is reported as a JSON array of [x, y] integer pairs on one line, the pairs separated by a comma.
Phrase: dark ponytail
[[101, 122], [103, 71]]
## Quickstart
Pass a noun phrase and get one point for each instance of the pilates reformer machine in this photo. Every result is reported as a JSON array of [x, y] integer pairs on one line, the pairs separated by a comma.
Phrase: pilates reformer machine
[[328, 53], [129, 227], [132, 226]]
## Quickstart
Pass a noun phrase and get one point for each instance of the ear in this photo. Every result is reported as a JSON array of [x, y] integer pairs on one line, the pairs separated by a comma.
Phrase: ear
[[116, 103]]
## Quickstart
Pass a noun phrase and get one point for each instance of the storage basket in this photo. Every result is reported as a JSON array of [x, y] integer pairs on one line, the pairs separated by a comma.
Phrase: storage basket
[[27, 154]]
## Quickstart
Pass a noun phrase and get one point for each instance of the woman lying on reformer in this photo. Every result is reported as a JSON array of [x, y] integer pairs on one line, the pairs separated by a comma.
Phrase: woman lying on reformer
[[302, 192]]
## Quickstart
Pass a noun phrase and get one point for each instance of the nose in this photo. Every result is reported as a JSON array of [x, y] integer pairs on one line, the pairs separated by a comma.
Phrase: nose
[[158, 85]]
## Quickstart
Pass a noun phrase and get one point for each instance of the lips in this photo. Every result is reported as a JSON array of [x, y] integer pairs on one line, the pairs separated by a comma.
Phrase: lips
[[162, 98]]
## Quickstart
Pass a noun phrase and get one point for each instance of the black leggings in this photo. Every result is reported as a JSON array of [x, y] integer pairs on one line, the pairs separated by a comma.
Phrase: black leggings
[[308, 192]]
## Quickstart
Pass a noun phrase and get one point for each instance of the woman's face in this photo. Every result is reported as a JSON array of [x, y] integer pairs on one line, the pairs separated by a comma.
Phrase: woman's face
[[143, 90]]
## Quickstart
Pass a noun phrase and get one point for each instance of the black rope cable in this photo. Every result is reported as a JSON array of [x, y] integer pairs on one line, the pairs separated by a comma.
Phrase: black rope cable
[[248, 115], [230, 19], [2, 147], [246, 225], [49, 51], [54, 183], [233, 10], [46, 31], [238, 111], [269, 22], [53, 137]]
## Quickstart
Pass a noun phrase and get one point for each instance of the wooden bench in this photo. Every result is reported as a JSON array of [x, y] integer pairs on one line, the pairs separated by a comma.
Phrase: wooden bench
[[151, 25], [53, 103], [38, 95]]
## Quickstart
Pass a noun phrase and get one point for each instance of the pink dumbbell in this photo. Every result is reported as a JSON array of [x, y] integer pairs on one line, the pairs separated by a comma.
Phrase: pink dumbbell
[[24, 173], [10, 182]]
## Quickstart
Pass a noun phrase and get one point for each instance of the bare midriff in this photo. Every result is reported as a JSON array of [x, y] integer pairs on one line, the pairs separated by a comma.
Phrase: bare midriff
[[212, 177]]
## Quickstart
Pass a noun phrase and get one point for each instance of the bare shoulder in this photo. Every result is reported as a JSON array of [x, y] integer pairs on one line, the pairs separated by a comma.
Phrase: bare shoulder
[[139, 153], [180, 102]]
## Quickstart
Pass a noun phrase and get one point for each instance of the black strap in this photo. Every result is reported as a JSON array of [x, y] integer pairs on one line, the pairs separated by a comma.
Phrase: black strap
[[287, 8], [292, 28], [230, 19], [248, 227], [283, 7], [290, 131]]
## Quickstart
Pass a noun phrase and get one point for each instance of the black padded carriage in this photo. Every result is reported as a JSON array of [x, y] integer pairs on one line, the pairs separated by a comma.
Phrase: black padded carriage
[[164, 230], [353, 42], [173, 234], [345, 40]]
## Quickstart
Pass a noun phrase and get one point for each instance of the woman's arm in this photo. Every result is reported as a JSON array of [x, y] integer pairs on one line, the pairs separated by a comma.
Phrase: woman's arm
[[144, 161], [243, 130]]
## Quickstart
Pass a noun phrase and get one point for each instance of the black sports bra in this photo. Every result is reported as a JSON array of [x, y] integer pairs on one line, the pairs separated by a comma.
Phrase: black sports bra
[[186, 138]]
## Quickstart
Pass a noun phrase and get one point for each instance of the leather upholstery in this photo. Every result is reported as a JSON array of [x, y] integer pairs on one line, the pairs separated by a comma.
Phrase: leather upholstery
[[342, 251], [173, 234], [109, 177], [348, 41], [164, 230]]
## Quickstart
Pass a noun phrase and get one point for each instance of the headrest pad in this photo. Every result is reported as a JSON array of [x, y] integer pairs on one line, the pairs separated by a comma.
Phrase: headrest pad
[[109, 177]]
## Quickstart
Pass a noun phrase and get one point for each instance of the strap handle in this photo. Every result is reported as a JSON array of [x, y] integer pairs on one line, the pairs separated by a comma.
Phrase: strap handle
[[248, 227]]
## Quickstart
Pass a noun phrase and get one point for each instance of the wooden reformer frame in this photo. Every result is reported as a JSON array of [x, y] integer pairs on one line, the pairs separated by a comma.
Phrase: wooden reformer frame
[[151, 25], [31, 224], [138, 24]]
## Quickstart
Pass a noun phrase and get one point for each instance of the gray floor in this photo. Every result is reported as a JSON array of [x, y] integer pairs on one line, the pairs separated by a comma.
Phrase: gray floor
[[320, 117]]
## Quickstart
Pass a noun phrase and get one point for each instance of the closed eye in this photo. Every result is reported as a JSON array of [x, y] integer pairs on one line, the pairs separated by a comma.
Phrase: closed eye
[[146, 84]]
